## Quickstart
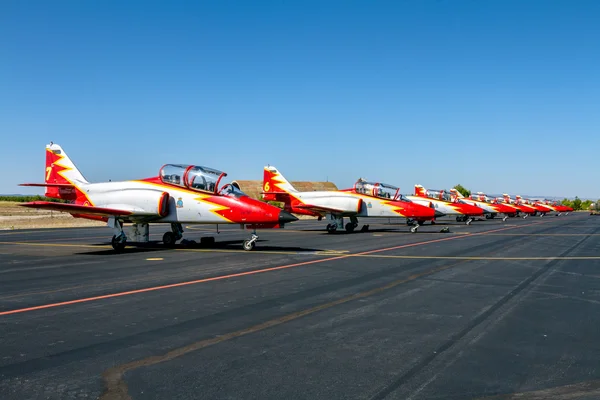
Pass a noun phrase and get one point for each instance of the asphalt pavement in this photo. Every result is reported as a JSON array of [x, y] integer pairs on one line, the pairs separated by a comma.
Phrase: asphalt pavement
[[494, 310]]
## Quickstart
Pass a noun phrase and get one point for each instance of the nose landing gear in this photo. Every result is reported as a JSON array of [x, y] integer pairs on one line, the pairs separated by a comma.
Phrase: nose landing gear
[[249, 244]]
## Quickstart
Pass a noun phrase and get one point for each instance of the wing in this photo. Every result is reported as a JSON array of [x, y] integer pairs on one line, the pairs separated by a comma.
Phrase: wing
[[325, 209], [78, 209], [58, 185]]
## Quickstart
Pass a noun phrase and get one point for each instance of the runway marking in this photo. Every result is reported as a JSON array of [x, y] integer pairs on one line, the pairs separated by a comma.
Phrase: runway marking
[[155, 259], [116, 388], [545, 234], [101, 246], [240, 274], [474, 257]]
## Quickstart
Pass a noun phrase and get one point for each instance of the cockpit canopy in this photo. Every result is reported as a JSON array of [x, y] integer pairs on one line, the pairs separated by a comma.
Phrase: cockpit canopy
[[439, 195], [192, 177], [479, 196], [381, 190]]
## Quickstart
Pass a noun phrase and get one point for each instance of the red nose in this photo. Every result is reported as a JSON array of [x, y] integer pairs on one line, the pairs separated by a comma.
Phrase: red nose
[[468, 209], [257, 212], [419, 211], [505, 209]]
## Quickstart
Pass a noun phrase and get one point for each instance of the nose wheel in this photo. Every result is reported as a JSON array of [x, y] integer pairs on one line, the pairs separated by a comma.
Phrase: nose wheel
[[249, 244]]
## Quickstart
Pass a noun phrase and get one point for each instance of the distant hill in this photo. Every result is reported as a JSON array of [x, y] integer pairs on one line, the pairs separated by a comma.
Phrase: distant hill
[[253, 188]]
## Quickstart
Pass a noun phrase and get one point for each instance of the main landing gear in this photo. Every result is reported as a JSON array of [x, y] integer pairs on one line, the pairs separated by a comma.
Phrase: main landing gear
[[170, 238], [338, 224], [119, 239]]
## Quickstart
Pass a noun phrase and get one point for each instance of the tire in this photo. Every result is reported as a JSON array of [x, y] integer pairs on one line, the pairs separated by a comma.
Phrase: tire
[[331, 228], [169, 239], [118, 246], [248, 245], [349, 227]]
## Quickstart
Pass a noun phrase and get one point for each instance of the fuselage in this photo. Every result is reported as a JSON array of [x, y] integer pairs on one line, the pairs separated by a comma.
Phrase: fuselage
[[448, 208], [350, 203], [147, 198]]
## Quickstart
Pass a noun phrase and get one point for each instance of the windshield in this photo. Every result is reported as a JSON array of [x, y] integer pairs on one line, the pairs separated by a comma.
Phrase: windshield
[[382, 190], [231, 191]]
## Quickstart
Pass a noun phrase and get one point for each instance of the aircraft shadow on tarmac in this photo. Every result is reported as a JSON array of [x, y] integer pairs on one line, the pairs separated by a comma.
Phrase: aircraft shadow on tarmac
[[156, 246], [400, 229]]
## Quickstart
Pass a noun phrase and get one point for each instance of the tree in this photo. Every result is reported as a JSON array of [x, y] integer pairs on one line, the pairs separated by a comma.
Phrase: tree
[[462, 190], [576, 203], [585, 205]]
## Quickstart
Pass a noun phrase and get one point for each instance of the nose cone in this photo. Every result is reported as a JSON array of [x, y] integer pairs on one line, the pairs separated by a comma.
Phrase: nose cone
[[472, 210], [414, 210], [285, 217], [438, 214]]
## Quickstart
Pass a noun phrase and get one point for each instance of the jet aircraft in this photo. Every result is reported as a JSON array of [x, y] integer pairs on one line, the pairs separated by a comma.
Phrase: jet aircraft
[[365, 199], [180, 194], [443, 202], [480, 200]]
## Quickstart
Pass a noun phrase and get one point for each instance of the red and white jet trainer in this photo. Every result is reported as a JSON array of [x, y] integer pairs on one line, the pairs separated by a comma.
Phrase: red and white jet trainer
[[480, 200], [365, 199], [180, 194], [443, 202]]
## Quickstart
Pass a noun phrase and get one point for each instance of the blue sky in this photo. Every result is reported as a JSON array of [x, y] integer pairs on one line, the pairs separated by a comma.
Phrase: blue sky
[[500, 96]]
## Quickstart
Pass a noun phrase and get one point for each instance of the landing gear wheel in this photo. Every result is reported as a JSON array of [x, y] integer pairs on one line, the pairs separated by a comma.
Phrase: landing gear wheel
[[365, 228], [248, 244], [117, 244], [331, 228], [459, 219], [350, 227], [414, 229], [169, 239]]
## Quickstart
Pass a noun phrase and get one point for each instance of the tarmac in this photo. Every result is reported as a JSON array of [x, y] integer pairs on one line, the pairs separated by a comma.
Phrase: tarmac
[[494, 310]]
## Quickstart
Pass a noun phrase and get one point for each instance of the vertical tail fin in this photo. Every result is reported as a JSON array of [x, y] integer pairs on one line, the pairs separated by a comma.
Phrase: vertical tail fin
[[274, 184], [60, 170], [420, 191], [456, 195], [482, 196]]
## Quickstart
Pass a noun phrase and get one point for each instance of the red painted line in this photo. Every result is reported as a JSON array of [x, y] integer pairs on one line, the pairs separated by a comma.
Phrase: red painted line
[[254, 272]]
